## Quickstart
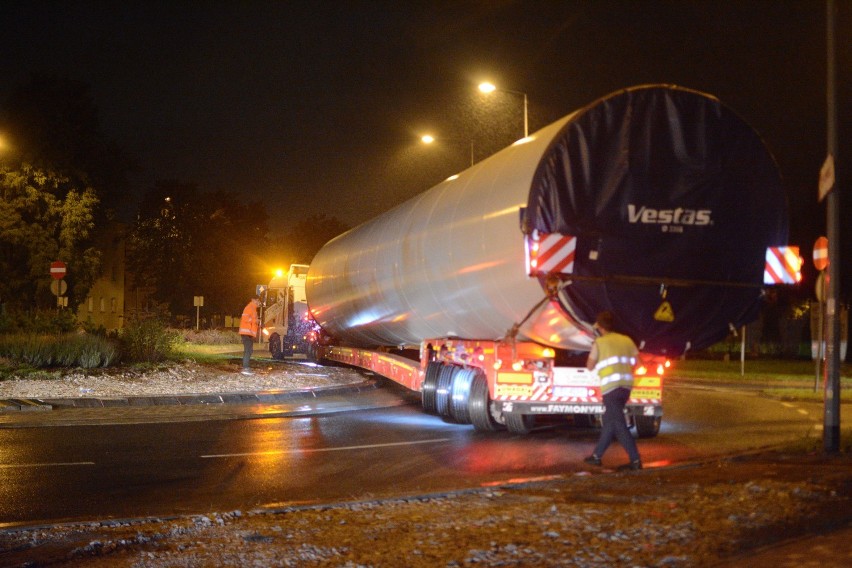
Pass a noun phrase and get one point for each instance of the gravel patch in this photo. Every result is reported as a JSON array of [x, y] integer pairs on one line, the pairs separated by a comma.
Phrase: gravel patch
[[180, 379]]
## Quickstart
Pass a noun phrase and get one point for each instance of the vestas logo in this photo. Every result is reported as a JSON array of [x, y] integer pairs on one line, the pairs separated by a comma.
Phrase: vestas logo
[[678, 216]]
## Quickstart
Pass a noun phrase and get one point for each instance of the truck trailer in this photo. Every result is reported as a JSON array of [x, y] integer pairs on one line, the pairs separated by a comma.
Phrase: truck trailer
[[656, 202]]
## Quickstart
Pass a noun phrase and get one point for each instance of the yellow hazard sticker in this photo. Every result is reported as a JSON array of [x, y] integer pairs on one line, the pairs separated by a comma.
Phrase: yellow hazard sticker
[[646, 393], [664, 312], [513, 390], [646, 382]]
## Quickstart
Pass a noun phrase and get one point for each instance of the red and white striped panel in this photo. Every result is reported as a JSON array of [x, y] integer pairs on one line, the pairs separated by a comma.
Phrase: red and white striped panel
[[783, 266], [555, 253], [540, 394]]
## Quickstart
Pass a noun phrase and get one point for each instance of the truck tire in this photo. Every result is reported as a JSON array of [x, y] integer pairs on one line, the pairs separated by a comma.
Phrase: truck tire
[[480, 406], [460, 395], [429, 386], [275, 346], [520, 423], [647, 426], [442, 392]]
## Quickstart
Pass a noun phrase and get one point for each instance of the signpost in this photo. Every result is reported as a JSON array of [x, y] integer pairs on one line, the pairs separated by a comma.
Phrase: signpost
[[197, 301], [59, 286], [828, 191]]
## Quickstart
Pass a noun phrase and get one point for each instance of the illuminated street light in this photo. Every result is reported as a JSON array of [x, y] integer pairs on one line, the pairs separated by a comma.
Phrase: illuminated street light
[[490, 88], [429, 139]]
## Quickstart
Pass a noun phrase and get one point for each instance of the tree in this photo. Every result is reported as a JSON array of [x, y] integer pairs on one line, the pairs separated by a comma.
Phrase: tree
[[187, 243], [58, 169], [53, 124], [42, 219]]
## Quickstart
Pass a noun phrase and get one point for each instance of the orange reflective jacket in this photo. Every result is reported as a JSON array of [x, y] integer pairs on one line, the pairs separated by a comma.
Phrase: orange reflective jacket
[[249, 322]]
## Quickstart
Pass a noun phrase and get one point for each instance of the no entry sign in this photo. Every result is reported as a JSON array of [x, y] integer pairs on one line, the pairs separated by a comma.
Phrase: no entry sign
[[57, 269], [821, 253]]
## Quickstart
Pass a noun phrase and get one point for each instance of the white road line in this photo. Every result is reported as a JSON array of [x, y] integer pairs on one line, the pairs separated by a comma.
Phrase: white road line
[[802, 411], [316, 450], [49, 464]]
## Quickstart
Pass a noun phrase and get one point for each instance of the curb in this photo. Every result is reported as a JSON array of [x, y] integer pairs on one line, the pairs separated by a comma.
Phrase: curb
[[263, 397]]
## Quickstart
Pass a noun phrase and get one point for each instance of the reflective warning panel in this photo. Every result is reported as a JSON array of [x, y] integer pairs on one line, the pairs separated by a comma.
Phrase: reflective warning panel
[[783, 266], [549, 253]]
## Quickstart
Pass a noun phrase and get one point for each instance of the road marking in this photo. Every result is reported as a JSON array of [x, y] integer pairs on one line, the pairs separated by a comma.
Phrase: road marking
[[802, 411], [788, 405], [48, 464], [317, 450]]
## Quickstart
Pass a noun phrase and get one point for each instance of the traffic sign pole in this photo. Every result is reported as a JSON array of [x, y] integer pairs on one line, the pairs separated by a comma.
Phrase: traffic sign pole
[[831, 425]]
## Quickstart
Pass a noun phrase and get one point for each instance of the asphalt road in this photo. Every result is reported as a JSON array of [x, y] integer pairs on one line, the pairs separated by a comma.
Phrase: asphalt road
[[115, 463]]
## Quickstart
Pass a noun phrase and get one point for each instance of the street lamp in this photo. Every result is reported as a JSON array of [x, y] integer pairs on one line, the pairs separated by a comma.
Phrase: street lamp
[[429, 139], [490, 88]]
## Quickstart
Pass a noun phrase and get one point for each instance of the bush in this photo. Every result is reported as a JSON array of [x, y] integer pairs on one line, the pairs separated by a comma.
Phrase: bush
[[148, 341], [67, 350]]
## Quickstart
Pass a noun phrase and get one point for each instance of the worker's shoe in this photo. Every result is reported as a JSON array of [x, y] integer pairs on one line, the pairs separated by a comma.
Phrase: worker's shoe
[[593, 460], [632, 466]]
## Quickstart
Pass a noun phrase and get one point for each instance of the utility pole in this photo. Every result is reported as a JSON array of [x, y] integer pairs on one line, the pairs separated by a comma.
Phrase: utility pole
[[831, 433]]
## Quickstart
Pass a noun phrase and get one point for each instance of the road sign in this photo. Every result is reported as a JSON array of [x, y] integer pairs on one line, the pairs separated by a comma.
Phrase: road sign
[[821, 253], [826, 178], [57, 269], [58, 287], [821, 286]]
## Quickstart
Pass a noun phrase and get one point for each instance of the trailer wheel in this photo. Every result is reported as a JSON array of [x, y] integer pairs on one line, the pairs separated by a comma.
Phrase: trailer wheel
[[442, 392], [275, 346], [460, 395], [520, 423], [483, 414], [647, 426], [429, 386]]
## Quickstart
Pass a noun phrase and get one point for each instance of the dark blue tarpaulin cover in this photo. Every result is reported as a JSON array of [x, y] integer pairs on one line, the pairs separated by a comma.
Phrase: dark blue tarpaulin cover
[[673, 199]]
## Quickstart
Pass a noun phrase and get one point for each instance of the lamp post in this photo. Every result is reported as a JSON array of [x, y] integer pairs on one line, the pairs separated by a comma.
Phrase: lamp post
[[429, 139], [490, 88]]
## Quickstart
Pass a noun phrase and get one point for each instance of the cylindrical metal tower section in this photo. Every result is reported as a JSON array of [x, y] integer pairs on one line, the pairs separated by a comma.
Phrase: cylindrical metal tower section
[[672, 197]]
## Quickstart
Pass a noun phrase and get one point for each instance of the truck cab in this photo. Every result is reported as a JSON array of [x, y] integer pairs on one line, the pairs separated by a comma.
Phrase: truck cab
[[286, 320]]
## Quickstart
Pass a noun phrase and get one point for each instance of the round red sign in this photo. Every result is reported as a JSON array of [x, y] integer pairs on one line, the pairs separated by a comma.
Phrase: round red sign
[[57, 269], [821, 253]]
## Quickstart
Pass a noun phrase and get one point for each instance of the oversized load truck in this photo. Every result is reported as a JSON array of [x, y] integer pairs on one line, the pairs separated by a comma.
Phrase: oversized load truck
[[657, 203]]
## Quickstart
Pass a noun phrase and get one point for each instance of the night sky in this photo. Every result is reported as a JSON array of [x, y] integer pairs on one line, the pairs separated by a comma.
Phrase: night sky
[[317, 106]]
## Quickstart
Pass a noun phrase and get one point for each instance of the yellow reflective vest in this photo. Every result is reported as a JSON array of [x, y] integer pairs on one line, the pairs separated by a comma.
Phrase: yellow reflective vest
[[616, 359]]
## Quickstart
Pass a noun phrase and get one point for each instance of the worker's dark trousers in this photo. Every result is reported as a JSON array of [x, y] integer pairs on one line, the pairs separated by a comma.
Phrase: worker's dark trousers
[[248, 346], [614, 425]]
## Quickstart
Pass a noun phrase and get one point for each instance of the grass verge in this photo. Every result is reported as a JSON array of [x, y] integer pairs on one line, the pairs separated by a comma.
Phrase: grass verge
[[785, 379]]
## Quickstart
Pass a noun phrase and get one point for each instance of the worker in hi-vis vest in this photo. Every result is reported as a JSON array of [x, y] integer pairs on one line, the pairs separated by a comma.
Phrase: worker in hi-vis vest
[[249, 326], [613, 356]]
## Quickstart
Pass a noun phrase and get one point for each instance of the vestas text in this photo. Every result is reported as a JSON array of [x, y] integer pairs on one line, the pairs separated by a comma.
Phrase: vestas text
[[678, 216]]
